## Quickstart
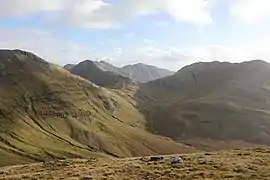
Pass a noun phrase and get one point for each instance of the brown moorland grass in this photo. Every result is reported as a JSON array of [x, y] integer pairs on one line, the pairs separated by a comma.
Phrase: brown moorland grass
[[234, 164]]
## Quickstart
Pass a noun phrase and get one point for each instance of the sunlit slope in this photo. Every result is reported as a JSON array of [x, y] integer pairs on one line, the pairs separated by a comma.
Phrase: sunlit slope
[[46, 112]]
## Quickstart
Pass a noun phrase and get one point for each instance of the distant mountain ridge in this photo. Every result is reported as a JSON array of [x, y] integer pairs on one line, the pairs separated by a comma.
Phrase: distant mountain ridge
[[94, 72], [210, 100], [69, 66], [138, 72], [144, 73], [46, 112]]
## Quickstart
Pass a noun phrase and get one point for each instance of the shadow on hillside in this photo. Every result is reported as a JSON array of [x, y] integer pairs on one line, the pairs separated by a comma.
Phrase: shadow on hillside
[[202, 118], [148, 105]]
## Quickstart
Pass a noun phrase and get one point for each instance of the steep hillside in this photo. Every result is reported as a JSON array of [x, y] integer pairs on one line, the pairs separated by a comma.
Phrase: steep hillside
[[69, 67], [235, 164], [138, 72], [215, 101], [144, 73], [91, 71], [47, 113]]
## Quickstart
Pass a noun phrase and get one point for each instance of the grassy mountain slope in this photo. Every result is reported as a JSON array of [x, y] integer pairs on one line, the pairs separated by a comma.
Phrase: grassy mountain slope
[[47, 113], [218, 101], [235, 164], [91, 71]]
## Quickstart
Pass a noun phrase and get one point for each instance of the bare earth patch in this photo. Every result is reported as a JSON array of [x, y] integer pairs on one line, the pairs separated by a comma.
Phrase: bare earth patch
[[235, 164]]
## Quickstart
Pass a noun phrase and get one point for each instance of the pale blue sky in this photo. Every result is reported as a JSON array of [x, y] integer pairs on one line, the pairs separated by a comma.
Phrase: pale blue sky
[[168, 34]]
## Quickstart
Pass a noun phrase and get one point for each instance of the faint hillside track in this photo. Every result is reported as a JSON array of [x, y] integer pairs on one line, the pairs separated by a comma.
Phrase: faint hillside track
[[234, 164]]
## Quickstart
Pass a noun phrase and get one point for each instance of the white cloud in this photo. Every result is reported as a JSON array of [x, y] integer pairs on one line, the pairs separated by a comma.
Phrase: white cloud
[[176, 57], [90, 14], [44, 44], [149, 41], [103, 15], [250, 11], [130, 34], [196, 11], [13, 8]]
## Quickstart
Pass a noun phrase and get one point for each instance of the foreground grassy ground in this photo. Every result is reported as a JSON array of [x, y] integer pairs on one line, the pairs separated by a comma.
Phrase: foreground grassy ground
[[235, 164]]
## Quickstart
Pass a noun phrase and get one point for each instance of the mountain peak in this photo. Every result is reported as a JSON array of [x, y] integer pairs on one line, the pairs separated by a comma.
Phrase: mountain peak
[[139, 72], [18, 60], [211, 66], [143, 65], [104, 62], [256, 62], [87, 62], [21, 55], [69, 66], [200, 66], [97, 73], [144, 73], [218, 100]]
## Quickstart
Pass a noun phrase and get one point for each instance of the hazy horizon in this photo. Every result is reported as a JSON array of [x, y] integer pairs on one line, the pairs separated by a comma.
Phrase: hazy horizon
[[167, 34]]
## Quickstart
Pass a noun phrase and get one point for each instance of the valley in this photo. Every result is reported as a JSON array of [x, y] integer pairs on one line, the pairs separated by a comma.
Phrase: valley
[[134, 90], [48, 113], [63, 121]]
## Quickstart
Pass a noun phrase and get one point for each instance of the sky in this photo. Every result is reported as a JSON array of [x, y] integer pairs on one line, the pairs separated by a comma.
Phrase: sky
[[166, 33]]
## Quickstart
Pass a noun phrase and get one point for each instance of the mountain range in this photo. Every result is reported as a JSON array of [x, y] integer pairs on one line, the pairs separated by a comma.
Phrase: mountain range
[[48, 113], [109, 79], [211, 100], [138, 72], [91, 109]]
